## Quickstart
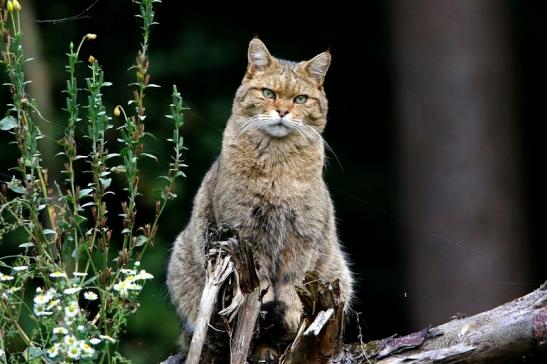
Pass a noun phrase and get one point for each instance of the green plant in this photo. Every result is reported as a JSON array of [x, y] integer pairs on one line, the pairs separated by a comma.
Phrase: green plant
[[76, 280]]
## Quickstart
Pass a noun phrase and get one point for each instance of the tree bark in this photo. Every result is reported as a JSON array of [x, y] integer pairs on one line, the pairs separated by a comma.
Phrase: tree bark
[[515, 332]]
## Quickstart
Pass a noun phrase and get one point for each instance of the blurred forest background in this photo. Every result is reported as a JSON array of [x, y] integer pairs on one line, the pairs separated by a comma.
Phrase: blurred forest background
[[435, 111]]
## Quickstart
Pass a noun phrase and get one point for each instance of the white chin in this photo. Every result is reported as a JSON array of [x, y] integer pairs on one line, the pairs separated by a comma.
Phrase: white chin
[[277, 130]]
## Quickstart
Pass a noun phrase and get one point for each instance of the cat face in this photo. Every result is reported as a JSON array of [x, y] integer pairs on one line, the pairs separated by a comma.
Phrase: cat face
[[280, 98]]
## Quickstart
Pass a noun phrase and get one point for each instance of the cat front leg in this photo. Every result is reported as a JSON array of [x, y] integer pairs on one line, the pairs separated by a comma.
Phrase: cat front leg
[[289, 306]]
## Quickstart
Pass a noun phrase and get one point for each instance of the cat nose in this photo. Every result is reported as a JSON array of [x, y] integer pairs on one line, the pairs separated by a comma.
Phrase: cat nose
[[282, 112]]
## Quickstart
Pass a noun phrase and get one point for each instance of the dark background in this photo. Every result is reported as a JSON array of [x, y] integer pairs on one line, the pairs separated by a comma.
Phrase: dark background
[[201, 47]]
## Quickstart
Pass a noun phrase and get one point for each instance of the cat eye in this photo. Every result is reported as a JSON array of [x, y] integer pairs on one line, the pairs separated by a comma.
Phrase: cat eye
[[300, 99], [268, 93]]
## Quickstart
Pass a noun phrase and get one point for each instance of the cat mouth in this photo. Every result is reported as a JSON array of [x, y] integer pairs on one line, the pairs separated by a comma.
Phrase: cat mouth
[[278, 129]]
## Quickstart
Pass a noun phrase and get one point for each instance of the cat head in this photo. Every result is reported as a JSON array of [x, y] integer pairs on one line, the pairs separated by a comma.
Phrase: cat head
[[279, 98]]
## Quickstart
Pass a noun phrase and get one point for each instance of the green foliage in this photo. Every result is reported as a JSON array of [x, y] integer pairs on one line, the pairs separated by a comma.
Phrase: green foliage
[[68, 294]]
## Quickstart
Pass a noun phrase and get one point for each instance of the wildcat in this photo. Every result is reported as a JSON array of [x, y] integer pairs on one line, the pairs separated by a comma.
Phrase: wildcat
[[267, 184]]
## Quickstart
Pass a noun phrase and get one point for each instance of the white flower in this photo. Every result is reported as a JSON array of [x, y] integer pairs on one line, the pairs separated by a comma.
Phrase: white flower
[[74, 351], [40, 310], [58, 274], [52, 304], [125, 286], [60, 330], [41, 299], [128, 271], [95, 341], [38, 289], [87, 351], [69, 340], [10, 291], [53, 351], [137, 263], [72, 309], [107, 338], [51, 293], [79, 274], [80, 328], [72, 290], [143, 275], [26, 245], [5, 277], [2, 353], [20, 268], [90, 296]]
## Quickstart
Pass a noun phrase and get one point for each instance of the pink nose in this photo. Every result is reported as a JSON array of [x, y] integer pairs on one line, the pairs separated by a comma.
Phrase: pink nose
[[282, 112]]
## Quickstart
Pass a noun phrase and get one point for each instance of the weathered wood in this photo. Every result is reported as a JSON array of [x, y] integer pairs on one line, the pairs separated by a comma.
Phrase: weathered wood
[[319, 341], [320, 321], [246, 323], [505, 334], [218, 271], [509, 333]]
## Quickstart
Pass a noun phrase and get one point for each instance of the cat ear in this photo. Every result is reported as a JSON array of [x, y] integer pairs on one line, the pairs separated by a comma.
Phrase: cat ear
[[259, 57], [317, 66]]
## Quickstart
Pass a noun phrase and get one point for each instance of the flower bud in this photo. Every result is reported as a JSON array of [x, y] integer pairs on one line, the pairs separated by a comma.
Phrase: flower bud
[[10, 6], [91, 59], [16, 5], [90, 36], [117, 111]]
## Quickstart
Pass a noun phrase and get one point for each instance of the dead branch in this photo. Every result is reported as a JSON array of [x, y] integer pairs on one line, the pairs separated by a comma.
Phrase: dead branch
[[218, 270], [513, 332]]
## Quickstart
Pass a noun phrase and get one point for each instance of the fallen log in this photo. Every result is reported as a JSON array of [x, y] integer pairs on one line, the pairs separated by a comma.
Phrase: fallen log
[[515, 332]]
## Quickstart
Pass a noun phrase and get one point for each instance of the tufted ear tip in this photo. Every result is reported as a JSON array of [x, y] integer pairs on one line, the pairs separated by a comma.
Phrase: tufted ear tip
[[258, 55]]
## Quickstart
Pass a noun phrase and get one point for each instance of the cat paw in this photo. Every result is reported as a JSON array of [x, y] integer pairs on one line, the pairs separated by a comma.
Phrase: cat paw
[[291, 321], [280, 320], [265, 354]]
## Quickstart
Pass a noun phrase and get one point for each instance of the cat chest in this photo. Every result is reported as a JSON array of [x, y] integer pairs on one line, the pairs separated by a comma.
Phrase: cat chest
[[272, 211]]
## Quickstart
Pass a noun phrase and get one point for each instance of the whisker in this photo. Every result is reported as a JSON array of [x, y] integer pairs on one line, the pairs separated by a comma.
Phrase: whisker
[[327, 145], [253, 121], [244, 124]]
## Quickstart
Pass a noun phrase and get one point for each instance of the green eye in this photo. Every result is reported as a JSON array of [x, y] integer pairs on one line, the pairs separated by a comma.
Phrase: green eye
[[268, 93], [300, 99]]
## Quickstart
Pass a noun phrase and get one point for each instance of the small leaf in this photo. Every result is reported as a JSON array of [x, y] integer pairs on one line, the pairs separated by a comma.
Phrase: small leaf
[[15, 186], [85, 192], [118, 169], [79, 219], [105, 182], [88, 204], [35, 353], [149, 156], [141, 239], [8, 123]]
